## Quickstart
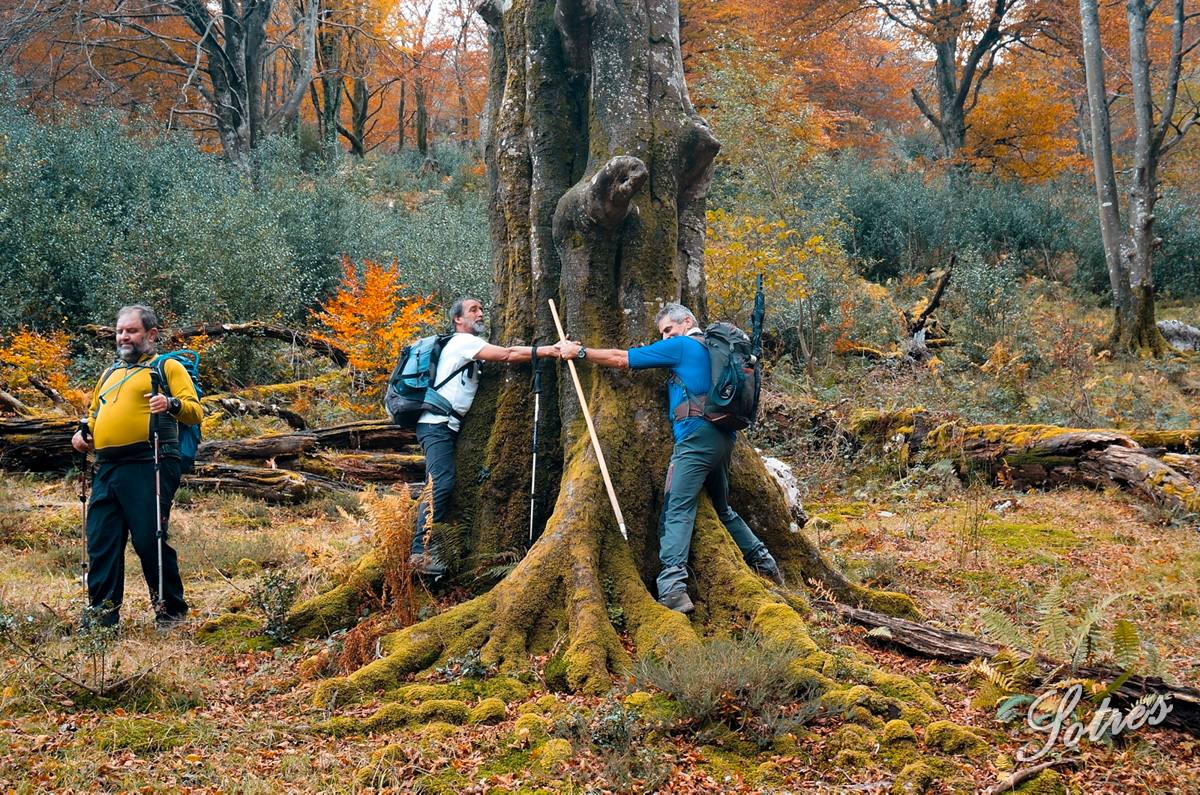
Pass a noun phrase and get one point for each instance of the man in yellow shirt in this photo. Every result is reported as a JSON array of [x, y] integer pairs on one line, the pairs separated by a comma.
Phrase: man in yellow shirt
[[128, 408]]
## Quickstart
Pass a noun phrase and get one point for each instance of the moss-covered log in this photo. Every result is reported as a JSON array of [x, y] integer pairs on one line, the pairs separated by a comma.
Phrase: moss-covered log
[[264, 483], [43, 444], [1033, 456], [37, 444], [255, 328], [243, 407], [930, 641]]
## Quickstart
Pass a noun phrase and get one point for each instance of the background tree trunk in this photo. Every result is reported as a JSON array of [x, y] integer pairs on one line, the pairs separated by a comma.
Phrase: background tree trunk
[[1115, 245]]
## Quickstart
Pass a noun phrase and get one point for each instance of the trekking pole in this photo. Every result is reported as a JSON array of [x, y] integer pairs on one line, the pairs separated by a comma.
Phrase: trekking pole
[[537, 401], [155, 388], [86, 433], [587, 416]]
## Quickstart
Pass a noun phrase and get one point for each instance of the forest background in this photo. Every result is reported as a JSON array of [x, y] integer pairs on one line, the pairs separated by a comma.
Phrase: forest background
[[316, 166]]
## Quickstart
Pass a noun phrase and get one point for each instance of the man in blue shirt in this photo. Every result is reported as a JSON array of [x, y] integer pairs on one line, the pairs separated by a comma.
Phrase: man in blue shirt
[[702, 452]]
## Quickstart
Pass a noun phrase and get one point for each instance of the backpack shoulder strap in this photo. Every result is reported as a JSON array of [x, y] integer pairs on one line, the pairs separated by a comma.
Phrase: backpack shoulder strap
[[159, 365], [452, 376]]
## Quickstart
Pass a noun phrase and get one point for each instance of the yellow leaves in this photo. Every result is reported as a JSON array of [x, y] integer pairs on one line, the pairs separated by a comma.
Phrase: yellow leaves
[[371, 320], [28, 356], [1022, 128], [740, 247]]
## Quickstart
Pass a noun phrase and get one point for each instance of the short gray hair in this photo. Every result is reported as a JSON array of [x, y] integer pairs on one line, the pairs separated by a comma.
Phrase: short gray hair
[[677, 312], [456, 308], [144, 313]]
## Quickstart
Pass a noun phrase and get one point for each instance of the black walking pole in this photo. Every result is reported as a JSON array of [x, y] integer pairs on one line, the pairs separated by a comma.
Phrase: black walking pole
[[155, 388], [537, 405], [86, 433]]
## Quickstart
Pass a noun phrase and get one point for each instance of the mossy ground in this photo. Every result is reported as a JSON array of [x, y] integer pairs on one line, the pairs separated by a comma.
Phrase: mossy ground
[[250, 723]]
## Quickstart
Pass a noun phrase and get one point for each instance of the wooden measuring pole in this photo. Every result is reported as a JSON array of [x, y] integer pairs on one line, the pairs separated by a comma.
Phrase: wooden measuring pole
[[587, 416]]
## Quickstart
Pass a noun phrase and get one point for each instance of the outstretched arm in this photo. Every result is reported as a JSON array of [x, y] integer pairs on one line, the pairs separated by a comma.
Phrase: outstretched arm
[[605, 357], [514, 355]]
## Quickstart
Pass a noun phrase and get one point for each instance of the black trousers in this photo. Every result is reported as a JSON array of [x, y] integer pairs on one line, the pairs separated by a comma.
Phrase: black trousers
[[438, 441], [123, 507]]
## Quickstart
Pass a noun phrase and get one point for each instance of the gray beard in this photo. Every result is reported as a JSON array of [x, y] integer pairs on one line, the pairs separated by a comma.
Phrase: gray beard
[[129, 353], [479, 329]]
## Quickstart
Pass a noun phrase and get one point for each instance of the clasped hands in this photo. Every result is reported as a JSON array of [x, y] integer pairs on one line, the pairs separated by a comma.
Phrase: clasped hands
[[567, 349]]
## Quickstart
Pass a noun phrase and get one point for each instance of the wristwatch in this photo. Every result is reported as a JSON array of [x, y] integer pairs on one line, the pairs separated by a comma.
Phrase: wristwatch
[[582, 353], [174, 404]]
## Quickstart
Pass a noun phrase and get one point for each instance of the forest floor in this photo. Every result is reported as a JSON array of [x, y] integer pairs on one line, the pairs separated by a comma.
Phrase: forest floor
[[231, 718]]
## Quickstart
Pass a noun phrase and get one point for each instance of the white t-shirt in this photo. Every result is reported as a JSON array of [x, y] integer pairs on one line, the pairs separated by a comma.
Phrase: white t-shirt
[[459, 390]]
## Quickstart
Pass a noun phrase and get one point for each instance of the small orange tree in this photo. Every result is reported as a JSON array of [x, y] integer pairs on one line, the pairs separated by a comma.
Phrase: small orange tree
[[371, 319], [29, 357]]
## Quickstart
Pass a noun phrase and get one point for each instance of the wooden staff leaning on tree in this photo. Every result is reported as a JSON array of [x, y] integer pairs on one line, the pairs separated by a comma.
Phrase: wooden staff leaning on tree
[[701, 456]]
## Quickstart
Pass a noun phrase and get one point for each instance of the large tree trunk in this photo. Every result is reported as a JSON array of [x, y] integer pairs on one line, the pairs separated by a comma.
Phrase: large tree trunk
[[599, 167]]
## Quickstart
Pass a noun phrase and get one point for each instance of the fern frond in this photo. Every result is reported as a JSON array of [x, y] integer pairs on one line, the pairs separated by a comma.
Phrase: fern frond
[[1087, 634], [1127, 645], [1001, 629], [1053, 620]]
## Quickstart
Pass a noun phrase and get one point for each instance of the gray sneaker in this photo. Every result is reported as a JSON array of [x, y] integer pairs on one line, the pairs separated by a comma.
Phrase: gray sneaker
[[679, 601]]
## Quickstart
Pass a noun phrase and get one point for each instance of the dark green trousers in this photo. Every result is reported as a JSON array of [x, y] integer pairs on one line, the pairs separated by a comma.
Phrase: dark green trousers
[[699, 462], [123, 508]]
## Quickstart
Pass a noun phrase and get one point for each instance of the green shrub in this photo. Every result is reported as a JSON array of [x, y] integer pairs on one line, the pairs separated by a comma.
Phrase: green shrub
[[92, 218], [742, 683]]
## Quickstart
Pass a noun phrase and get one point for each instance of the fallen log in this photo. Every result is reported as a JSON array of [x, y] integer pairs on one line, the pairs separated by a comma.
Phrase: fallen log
[[282, 486], [261, 448], [255, 328], [43, 444], [241, 407], [365, 467], [1180, 335], [1023, 456], [928, 641], [13, 404], [37, 444]]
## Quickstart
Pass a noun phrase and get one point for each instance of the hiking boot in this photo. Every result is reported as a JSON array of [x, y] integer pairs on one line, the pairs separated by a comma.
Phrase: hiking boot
[[165, 623], [679, 601], [427, 566], [771, 572]]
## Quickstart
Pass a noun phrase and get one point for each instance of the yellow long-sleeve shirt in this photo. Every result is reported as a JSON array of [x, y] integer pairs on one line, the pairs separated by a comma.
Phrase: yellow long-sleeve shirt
[[119, 417]]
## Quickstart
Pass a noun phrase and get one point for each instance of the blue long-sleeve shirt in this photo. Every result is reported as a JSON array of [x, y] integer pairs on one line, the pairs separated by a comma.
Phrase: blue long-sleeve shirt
[[687, 358]]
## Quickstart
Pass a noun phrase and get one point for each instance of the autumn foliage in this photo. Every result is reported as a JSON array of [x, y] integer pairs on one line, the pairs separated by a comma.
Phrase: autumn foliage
[[371, 319], [29, 359]]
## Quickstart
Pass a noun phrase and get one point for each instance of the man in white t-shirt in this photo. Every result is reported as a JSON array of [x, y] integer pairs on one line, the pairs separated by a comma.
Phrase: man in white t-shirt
[[438, 433]]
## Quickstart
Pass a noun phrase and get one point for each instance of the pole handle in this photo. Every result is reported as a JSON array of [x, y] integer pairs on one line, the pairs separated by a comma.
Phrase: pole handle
[[587, 416]]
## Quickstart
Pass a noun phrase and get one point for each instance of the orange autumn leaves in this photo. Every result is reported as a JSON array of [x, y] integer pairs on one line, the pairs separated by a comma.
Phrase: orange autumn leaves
[[371, 319], [34, 365]]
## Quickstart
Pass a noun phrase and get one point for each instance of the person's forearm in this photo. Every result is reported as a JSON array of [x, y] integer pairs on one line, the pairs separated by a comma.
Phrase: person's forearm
[[519, 354], [607, 357]]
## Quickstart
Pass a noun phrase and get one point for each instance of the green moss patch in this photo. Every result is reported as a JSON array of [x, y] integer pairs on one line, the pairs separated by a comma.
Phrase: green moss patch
[[142, 735], [490, 711], [234, 633]]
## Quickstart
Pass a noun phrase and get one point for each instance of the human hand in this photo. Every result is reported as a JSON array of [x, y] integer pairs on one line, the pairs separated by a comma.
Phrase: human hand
[[568, 349], [80, 444], [159, 403]]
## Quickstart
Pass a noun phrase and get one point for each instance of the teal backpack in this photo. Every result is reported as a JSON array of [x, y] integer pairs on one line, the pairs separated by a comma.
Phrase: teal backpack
[[189, 435], [412, 390]]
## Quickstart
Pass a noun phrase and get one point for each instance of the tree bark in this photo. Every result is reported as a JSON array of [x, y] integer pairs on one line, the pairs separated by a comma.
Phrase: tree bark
[[1116, 246], [599, 168]]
